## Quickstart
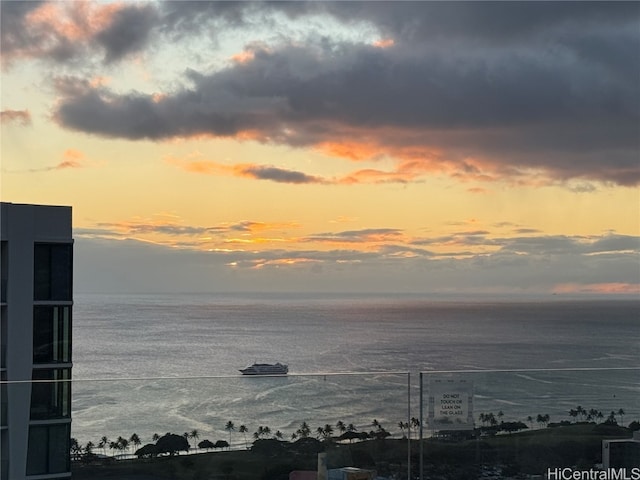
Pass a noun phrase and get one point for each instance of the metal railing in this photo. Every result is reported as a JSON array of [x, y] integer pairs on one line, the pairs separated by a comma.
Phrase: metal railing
[[485, 414]]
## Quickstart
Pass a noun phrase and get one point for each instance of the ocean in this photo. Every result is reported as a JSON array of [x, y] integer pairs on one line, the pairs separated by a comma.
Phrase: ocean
[[150, 364]]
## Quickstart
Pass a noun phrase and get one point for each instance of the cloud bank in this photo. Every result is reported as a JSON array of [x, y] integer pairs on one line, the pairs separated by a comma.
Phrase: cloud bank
[[522, 266], [523, 91]]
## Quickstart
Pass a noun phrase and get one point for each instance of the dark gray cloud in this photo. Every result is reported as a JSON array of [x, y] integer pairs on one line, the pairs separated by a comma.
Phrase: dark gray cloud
[[280, 175], [542, 245], [550, 86], [615, 243], [553, 111], [356, 236], [14, 37], [128, 32], [72, 30], [524, 231], [537, 244], [487, 22]]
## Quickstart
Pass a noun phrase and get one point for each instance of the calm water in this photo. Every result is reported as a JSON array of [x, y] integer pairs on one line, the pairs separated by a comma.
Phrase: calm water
[[187, 336]]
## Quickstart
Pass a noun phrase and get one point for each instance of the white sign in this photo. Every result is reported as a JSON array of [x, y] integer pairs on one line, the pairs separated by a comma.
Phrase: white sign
[[450, 405]]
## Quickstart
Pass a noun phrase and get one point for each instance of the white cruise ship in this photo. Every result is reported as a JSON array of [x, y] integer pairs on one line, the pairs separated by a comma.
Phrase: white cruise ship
[[266, 369]]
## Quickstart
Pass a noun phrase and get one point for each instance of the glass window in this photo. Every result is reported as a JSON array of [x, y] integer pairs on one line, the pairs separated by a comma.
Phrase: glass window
[[59, 449], [3, 400], [51, 334], [37, 453], [4, 453], [3, 336], [4, 271], [53, 266], [50, 394], [48, 450]]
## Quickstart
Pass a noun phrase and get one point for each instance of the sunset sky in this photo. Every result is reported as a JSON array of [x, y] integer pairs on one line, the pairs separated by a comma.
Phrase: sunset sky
[[459, 148]]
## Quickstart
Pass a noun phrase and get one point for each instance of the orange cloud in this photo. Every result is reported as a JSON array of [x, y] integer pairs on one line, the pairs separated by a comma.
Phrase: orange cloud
[[283, 262], [71, 159], [99, 81], [72, 21], [478, 190], [411, 164], [158, 97], [244, 170], [23, 117], [244, 56], [351, 150], [384, 43], [601, 288], [376, 176], [249, 53], [61, 27]]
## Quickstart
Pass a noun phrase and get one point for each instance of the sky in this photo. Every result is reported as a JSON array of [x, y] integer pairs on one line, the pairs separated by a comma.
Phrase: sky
[[463, 148]]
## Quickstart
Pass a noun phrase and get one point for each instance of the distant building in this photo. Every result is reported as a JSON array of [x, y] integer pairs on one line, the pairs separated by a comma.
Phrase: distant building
[[621, 453], [351, 473], [36, 265]]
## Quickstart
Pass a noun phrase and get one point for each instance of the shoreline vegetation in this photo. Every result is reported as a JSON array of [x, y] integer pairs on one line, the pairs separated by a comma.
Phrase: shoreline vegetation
[[496, 449]]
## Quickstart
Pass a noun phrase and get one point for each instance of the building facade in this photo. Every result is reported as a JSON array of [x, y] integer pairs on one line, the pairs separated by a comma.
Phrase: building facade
[[36, 302]]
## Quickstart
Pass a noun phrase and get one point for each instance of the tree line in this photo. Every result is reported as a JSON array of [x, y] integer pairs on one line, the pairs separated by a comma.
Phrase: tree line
[[171, 443]]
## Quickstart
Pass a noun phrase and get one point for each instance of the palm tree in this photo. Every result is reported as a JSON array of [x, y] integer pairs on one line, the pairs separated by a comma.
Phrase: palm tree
[[304, 431], [573, 413], [375, 424], [401, 425], [243, 429], [530, 420], [262, 432], [229, 427], [135, 441], [103, 444], [155, 437], [415, 423], [621, 412], [89, 448], [75, 447], [341, 426], [278, 435], [351, 428], [543, 419], [124, 444], [194, 435]]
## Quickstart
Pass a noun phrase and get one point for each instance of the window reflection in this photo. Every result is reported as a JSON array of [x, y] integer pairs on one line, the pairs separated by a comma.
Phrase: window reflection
[[48, 449], [51, 394], [52, 271], [51, 334]]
